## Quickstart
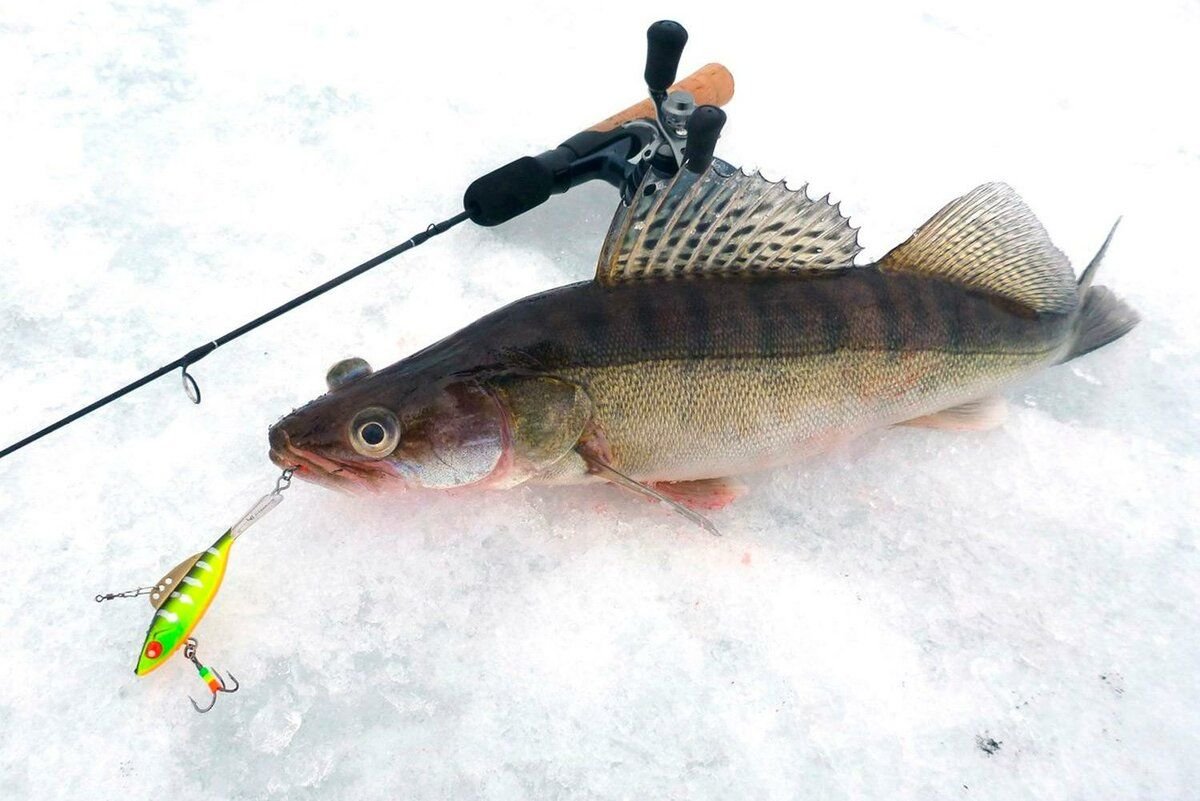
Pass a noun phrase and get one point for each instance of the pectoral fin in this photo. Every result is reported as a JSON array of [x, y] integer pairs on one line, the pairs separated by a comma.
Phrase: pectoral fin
[[705, 493], [600, 468], [977, 415]]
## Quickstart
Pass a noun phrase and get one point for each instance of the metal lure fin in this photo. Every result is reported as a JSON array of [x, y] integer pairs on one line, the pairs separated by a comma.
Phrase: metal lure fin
[[164, 586]]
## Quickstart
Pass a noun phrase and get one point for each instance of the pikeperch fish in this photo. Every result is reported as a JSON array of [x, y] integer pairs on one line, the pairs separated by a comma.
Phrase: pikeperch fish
[[727, 330]]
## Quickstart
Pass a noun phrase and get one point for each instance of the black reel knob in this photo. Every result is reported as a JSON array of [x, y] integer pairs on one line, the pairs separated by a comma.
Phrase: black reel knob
[[664, 45], [704, 128]]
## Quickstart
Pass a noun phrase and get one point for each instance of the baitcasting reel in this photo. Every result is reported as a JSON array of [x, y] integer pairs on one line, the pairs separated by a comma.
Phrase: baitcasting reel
[[668, 132]]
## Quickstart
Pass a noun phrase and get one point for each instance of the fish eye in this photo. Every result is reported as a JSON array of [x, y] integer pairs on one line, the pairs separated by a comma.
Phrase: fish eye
[[374, 432]]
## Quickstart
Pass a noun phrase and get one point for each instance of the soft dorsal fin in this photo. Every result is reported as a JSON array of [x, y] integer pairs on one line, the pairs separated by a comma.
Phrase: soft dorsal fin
[[723, 222], [990, 241]]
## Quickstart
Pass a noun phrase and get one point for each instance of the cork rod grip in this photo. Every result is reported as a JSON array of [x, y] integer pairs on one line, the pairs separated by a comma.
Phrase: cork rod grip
[[711, 85]]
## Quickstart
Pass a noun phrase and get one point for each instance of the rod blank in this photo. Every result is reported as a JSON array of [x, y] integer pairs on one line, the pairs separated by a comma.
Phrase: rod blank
[[196, 354]]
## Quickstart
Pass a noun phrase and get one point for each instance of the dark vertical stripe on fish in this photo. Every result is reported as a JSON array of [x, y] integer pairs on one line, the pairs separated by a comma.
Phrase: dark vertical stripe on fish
[[594, 323], [1015, 328], [969, 322], [950, 310], [933, 319], [879, 286], [647, 314], [699, 334], [832, 323], [917, 327], [758, 304]]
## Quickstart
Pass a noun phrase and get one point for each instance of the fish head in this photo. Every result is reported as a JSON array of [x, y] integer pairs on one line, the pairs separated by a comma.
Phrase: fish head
[[395, 428]]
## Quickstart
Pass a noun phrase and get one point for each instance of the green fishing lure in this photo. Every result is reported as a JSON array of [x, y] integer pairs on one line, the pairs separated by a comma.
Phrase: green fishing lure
[[182, 597], [182, 610]]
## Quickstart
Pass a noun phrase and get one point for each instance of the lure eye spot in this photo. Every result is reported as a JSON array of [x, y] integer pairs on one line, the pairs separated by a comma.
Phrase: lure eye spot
[[154, 649]]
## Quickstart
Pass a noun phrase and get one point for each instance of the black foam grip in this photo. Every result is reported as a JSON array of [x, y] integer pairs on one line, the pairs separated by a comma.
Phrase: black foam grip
[[704, 127], [664, 46], [508, 191]]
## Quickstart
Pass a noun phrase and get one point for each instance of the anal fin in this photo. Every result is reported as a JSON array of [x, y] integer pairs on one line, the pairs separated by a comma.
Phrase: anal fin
[[705, 493], [600, 468], [976, 415]]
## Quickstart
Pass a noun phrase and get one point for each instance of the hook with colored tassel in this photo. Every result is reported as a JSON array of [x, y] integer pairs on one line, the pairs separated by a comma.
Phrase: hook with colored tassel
[[216, 683]]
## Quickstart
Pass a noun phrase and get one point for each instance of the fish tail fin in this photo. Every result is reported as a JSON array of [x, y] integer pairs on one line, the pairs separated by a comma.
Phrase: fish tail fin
[[1103, 317], [1089, 272]]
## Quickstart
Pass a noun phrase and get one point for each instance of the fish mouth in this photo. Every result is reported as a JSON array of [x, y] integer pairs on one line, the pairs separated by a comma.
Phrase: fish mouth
[[344, 475]]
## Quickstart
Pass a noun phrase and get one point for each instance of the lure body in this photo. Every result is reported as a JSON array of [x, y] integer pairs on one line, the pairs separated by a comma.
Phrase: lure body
[[183, 609]]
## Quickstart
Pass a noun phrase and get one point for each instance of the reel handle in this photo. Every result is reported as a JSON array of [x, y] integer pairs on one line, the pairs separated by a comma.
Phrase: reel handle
[[711, 85], [704, 127], [664, 45], [528, 182]]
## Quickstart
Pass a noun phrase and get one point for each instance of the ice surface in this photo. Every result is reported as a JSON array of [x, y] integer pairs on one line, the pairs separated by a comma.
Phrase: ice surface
[[920, 615]]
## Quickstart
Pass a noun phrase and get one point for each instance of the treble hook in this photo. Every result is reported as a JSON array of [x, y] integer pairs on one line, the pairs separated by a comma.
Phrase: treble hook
[[216, 684]]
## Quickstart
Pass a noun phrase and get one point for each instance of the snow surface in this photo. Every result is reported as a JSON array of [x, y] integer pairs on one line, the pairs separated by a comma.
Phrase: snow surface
[[918, 616]]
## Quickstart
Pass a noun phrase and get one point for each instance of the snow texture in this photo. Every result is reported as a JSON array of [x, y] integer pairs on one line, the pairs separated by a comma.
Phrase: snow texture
[[920, 615]]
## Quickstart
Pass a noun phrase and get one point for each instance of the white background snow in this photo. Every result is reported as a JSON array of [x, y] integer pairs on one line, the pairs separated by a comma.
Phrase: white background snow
[[869, 621]]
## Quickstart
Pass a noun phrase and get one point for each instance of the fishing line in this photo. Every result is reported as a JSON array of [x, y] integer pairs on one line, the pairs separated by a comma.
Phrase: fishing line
[[191, 357]]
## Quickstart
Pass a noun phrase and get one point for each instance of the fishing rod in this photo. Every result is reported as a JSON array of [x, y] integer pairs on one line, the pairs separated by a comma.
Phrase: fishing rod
[[675, 128]]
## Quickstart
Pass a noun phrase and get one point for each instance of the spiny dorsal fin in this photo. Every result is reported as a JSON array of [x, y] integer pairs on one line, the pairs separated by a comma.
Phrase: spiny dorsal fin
[[989, 240], [723, 222]]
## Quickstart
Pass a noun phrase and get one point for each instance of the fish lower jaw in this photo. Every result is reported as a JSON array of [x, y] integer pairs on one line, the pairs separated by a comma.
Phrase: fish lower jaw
[[352, 479]]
